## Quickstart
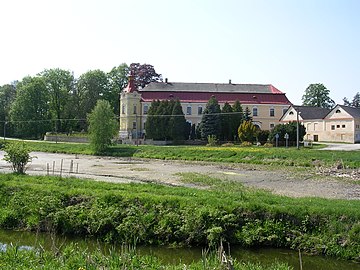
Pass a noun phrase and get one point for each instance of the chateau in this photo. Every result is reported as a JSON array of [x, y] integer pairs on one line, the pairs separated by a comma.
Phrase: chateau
[[266, 103]]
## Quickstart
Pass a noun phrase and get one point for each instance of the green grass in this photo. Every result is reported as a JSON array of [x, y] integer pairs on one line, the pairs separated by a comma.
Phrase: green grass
[[157, 214], [71, 257], [305, 157]]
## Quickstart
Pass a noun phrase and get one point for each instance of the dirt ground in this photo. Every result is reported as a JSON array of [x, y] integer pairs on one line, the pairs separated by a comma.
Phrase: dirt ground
[[286, 181]]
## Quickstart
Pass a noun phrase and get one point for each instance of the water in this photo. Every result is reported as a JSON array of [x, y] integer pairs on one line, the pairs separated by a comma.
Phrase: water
[[265, 256]]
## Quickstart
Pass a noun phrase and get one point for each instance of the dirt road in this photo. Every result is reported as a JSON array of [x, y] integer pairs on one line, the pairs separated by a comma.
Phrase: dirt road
[[124, 170]]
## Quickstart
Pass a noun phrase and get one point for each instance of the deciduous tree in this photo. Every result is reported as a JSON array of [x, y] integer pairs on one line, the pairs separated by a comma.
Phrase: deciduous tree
[[102, 126], [317, 95], [144, 74], [118, 79], [30, 114]]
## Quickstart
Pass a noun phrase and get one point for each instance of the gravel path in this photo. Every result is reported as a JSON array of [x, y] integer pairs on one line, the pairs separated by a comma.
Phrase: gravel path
[[124, 170]]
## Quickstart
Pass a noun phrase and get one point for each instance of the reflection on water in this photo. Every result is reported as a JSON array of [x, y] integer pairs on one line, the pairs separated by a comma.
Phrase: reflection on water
[[28, 240]]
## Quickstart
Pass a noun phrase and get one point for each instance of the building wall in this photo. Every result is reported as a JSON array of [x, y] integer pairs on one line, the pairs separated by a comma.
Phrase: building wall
[[193, 113], [130, 114]]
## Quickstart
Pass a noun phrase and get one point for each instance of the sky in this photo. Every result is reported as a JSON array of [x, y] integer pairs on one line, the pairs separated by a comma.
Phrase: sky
[[287, 43]]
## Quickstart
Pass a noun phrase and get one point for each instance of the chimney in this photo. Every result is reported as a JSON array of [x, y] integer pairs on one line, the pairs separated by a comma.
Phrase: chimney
[[230, 81], [166, 80]]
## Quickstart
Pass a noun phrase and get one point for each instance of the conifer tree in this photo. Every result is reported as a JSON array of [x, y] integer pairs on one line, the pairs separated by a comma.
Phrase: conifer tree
[[177, 122], [226, 122], [211, 122]]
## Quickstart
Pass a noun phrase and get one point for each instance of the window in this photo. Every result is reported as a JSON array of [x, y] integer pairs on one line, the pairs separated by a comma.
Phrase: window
[[272, 125], [337, 126], [343, 126], [332, 127], [200, 110], [135, 109], [338, 111], [255, 111], [291, 113], [134, 125], [357, 126], [188, 110], [284, 110], [144, 125], [146, 108], [272, 112], [123, 109]]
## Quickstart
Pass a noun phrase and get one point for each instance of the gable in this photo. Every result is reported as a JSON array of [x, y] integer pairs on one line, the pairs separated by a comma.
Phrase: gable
[[338, 113]]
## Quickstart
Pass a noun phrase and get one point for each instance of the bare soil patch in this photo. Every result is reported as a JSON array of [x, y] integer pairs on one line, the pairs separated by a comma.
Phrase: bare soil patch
[[314, 182]]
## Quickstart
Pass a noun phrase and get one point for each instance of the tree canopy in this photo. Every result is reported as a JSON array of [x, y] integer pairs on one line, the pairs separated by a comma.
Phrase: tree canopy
[[211, 120], [144, 74], [102, 126], [355, 102], [317, 95]]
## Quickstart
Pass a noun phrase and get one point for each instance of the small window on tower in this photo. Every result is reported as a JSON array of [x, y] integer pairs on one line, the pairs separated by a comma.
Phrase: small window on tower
[[146, 108], [135, 109], [123, 109]]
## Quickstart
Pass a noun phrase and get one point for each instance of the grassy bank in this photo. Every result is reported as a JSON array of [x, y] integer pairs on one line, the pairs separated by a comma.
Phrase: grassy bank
[[305, 157], [157, 214], [71, 257]]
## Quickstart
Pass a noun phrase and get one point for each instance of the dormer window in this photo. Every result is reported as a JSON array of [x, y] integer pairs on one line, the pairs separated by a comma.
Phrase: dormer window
[[291, 113], [337, 111]]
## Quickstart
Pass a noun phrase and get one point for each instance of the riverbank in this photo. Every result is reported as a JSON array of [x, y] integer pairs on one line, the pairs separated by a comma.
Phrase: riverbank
[[158, 214]]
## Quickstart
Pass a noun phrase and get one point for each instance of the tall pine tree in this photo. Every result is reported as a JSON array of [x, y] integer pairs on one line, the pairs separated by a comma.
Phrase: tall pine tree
[[177, 122], [211, 122], [226, 123]]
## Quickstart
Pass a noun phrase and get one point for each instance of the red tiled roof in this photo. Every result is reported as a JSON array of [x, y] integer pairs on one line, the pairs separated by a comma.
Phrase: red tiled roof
[[276, 97]]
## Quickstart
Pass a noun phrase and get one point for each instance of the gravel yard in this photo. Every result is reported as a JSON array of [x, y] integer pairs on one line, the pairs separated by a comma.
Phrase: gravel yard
[[286, 181]]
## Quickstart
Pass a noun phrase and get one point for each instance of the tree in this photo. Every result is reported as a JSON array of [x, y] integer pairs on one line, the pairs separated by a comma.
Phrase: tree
[[226, 123], [211, 122], [317, 95], [247, 115], [177, 122], [7, 97], [144, 74], [289, 128], [247, 131], [18, 154], [59, 84], [91, 87], [237, 118], [355, 101], [118, 79], [30, 110], [151, 126], [102, 126]]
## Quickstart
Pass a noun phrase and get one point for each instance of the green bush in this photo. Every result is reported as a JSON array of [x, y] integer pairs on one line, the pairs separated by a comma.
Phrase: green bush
[[18, 154]]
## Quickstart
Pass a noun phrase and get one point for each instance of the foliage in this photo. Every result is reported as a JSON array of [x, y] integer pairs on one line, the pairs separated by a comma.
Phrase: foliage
[[118, 78], [211, 121], [247, 115], [144, 74], [289, 128], [177, 122], [262, 135], [227, 123], [159, 214], [77, 258], [237, 118], [317, 95], [7, 96], [18, 154], [247, 131], [59, 84], [30, 110], [102, 126], [212, 141], [246, 144], [355, 101], [165, 121]]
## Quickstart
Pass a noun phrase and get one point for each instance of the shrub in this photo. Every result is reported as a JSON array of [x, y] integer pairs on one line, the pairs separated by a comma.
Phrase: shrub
[[212, 141], [246, 144], [268, 145], [18, 154], [227, 144]]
